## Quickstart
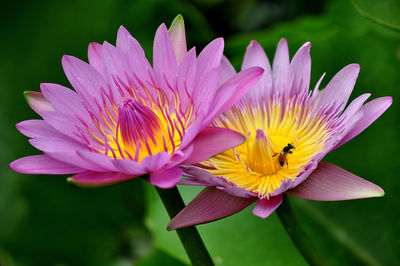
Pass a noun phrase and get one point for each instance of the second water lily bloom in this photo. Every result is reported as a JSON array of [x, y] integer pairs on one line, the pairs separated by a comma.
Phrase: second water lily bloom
[[289, 129], [127, 118]]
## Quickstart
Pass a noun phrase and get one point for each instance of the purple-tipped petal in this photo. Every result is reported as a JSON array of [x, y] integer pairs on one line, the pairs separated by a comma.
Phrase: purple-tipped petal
[[64, 100], [340, 87], [38, 102], [330, 183], [187, 76], [164, 60], [301, 67], [36, 128], [98, 179], [94, 56], [372, 110], [210, 205], [43, 164], [213, 140], [280, 67], [227, 71], [265, 207], [255, 56], [209, 58], [232, 91], [166, 178], [84, 79], [178, 38]]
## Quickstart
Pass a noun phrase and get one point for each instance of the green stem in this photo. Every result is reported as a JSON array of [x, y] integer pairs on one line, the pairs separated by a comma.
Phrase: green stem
[[189, 236], [297, 234]]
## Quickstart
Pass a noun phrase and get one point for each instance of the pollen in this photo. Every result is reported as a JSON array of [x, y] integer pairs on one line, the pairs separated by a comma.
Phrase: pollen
[[264, 160]]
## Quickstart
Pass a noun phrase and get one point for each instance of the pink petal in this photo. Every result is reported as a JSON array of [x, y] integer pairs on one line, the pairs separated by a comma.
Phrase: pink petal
[[209, 58], [227, 71], [98, 179], [128, 44], [205, 90], [65, 100], [255, 56], [138, 63], [372, 110], [187, 76], [232, 91], [330, 182], [213, 140], [178, 38], [42, 164], [338, 90], [210, 205], [84, 79], [73, 158], [265, 207], [280, 68], [130, 167], [164, 60], [156, 162], [57, 143], [94, 56], [37, 101], [36, 128], [180, 156], [301, 67], [166, 178]]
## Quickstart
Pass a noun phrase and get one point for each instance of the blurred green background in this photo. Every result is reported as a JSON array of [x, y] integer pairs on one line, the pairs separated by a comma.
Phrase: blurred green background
[[44, 221]]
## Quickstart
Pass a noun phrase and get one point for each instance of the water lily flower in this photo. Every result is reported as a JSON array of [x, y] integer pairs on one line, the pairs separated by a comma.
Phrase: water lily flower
[[289, 129], [127, 118]]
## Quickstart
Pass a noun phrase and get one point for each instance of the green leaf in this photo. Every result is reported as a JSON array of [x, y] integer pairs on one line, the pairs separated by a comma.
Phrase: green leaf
[[384, 12]]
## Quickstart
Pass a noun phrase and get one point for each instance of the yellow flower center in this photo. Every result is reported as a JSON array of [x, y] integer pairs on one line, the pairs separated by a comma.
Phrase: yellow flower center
[[282, 137], [142, 125]]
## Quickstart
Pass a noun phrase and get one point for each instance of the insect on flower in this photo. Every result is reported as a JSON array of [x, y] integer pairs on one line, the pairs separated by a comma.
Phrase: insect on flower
[[127, 118], [282, 158], [277, 112]]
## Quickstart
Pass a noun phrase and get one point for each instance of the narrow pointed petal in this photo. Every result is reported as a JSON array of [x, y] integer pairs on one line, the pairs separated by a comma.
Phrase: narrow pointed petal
[[43, 164], [94, 56], [255, 56], [232, 91], [227, 71], [36, 128], [38, 102], [340, 87], [164, 60], [84, 79], [301, 67], [210, 205], [213, 140], [280, 68], [330, 183], [166, 178], [98, 179], [178, 38], [209, 58], [64, 100], [372, 111], [265, 207]]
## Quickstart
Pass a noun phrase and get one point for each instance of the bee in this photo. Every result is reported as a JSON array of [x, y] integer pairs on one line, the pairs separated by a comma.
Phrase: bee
[[282, 159]]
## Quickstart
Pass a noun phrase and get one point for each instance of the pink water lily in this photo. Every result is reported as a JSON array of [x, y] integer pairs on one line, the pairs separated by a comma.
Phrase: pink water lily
[[127, 118], [289, 130]]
